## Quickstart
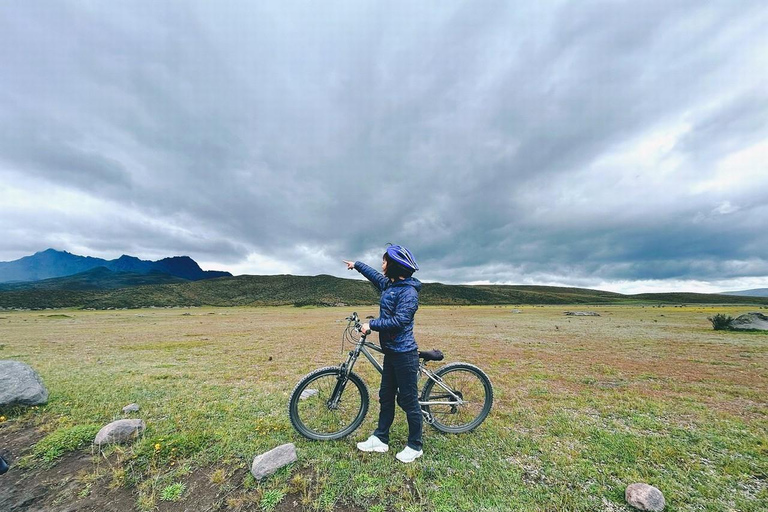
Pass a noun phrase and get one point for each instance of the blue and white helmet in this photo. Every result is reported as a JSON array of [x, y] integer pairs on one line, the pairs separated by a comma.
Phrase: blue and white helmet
[[402, 256]]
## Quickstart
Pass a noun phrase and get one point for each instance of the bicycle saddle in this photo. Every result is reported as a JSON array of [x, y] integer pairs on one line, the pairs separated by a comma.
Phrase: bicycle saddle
[[431, 355]]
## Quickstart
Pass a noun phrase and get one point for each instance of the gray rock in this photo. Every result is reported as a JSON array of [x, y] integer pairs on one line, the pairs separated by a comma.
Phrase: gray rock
[[307, 393], [581, 313], [751, 321], [120, 431], [131, 408], [269, 462], [645, 497], [20, 384]]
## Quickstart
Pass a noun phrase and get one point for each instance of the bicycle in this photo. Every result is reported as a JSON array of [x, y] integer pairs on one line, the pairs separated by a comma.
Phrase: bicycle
[[323, 406]]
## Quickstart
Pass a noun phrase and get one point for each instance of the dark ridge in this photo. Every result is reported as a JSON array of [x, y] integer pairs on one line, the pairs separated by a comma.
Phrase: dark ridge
[[324, 290]]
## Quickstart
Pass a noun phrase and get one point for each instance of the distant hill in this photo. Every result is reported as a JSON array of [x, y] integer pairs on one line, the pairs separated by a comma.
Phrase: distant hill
[[322, 290], [52, 263], [99, 278], [757, 292]]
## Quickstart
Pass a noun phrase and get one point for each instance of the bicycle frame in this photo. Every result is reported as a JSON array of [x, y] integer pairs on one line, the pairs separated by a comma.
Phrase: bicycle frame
[[362, 347]]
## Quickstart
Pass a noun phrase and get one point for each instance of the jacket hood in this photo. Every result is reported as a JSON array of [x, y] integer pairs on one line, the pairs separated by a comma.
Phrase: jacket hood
[[408, 281]]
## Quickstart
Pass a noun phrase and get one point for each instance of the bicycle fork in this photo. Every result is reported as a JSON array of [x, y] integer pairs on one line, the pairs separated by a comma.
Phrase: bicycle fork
[[341, 383], [342, 379]]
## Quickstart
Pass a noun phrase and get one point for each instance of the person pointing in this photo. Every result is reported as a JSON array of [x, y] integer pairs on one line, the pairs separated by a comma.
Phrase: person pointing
[[398, 305]]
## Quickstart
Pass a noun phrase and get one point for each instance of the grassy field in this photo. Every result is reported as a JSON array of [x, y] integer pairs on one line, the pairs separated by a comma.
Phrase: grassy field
[[583, 407]]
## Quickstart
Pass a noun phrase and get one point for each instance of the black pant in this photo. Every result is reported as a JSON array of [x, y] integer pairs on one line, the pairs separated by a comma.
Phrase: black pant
[[400, 376]]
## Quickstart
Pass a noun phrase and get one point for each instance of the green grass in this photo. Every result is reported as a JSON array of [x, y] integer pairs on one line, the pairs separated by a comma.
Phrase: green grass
[[271, 498], [63, 440], [173, 492], [583, 406]]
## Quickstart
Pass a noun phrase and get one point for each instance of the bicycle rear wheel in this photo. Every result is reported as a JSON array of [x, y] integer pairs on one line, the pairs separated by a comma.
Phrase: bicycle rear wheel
[[471, 385], [312, 412]]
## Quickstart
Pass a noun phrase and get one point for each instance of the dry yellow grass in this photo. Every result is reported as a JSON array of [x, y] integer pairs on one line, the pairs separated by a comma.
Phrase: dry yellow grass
[[582, 405]]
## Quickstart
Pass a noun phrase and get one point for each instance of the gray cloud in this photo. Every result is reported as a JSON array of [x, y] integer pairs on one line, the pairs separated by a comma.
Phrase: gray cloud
[[578, 143]]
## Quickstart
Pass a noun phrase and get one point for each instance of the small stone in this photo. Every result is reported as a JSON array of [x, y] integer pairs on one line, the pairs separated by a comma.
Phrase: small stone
[[131, 408], [20, 384], [120, 431], [645, 497], [269, 462], [307, 393]]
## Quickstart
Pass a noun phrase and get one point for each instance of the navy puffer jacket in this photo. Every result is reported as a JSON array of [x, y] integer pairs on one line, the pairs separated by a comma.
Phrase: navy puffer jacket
[[399, 302]]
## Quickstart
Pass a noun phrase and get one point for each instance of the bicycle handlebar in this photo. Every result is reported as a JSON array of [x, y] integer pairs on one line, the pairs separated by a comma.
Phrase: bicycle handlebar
[[353, 318]]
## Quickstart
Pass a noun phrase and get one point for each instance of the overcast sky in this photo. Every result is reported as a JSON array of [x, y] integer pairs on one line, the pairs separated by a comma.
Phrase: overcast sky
[[610, 144]]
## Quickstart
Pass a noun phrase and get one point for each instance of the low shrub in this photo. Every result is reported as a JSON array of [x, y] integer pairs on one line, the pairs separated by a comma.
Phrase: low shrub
[[721, 322]]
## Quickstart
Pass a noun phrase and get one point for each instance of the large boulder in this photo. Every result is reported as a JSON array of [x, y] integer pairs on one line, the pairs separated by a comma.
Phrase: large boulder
[[20, 384], [120, 431], [751, 321], [645, 497], [269, 462]]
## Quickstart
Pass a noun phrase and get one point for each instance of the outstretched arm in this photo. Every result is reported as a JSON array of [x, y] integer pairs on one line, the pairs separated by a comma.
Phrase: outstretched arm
[[377, 278]]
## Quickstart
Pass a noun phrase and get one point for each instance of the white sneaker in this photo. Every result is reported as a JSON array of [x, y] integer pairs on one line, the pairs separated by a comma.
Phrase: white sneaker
[[409, 455], [373, 444]]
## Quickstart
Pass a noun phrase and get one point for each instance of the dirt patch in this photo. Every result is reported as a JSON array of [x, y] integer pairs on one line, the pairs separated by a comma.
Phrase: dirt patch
[[15, 440], [62, 488], [82, 482]]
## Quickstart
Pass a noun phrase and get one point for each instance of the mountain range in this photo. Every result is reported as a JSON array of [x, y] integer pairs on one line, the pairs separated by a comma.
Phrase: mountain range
[[757, 292], [129, 282], [54, 264]]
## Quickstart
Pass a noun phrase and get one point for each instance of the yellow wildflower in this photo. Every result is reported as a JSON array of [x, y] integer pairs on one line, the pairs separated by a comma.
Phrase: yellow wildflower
[[2, 419], [157, 447]]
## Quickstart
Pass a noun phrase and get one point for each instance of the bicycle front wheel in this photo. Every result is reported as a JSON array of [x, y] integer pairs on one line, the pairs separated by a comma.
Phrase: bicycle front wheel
[[467, 383], [319, 415]]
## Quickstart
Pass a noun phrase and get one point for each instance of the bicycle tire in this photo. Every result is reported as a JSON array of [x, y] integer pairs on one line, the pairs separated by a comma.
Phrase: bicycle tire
[[312, 417], [466, 379]]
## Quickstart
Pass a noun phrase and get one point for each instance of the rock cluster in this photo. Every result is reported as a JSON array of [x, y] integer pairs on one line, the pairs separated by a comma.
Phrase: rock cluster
[[581, 313]]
